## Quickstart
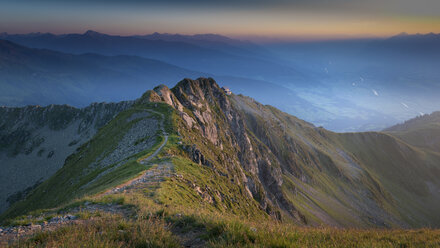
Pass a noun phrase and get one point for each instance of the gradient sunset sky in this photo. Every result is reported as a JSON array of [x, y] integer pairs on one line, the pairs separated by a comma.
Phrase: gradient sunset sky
[[294, 19]]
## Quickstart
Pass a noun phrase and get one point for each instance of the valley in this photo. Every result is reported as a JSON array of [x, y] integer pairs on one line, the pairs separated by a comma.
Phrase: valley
[[345, 86]]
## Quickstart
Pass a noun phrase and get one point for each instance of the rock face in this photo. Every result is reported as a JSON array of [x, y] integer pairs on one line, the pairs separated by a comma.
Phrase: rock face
[[211, 120], [35, 141], [293, 169]]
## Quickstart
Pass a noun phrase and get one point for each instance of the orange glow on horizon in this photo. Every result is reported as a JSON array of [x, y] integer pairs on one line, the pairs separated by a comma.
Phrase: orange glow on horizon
[[276, 23]]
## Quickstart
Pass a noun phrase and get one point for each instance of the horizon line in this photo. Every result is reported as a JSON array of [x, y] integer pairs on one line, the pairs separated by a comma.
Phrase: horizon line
[[249, 37]]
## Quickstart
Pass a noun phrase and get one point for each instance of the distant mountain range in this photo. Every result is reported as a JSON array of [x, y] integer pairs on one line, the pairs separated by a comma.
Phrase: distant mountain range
[[418, 44], [207, 55], [213, 41], [42, 77], [350, 85]]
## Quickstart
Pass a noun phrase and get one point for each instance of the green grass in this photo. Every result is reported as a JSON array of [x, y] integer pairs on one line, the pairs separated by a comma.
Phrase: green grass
[[106, 231], [158, 225], [404, 173], [218, 193], [117, 176]]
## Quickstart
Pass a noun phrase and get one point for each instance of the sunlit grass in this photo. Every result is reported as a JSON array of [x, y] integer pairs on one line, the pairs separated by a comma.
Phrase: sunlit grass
[[157, 225], [106, 231]]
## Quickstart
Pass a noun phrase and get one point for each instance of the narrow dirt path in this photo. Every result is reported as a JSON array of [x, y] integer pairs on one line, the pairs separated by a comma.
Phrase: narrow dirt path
[[145, 160], [148, 174], [155, 153], [150, 179]]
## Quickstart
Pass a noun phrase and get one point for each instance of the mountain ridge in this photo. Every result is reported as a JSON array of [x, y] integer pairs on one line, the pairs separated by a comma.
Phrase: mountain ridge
[[277, 163]]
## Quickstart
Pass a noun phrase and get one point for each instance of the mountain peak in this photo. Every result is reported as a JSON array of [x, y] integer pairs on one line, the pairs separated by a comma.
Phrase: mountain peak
[[187, 92], [202, 83], [403, 34], [92, 33]]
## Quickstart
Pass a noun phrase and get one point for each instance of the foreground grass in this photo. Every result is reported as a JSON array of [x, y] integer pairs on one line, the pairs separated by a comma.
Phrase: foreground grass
[[159, 227], [220, 229], [174, 221], [106, 231]]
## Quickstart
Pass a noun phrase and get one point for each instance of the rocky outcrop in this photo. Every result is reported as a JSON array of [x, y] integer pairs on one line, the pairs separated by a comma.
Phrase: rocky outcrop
[[197, 156], [198, 96], [207, 110]]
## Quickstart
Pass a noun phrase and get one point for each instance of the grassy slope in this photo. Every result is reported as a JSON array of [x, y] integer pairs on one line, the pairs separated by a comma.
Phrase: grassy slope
[[359, 179], [68, 183], [427, 137], [158, 224], [422, 131], [409, 174], [221, 195], [316, 179]]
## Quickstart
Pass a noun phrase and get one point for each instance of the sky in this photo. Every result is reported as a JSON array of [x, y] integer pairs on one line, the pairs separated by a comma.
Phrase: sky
[[281, 19]]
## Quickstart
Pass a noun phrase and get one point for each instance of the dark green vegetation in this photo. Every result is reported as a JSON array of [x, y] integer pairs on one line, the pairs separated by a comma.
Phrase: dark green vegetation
[[237, 173]]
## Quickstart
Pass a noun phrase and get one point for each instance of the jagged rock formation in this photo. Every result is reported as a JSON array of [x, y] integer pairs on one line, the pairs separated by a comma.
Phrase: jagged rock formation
[[292, 168], [35, 141]]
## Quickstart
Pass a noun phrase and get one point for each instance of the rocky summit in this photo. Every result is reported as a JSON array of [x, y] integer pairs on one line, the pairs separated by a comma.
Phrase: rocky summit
[[195, 149]]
